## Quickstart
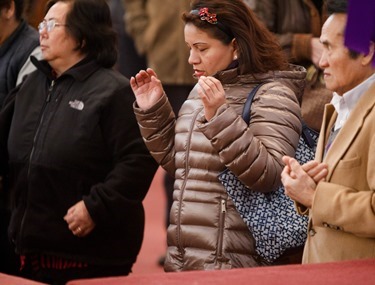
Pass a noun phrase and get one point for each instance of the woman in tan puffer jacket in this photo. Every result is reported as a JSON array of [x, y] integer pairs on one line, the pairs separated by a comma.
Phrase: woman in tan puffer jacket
[[230, 56]]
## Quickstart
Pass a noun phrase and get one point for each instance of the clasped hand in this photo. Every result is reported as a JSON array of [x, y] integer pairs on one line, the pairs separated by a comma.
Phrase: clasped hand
[[79, 220], [300, 181], [212, 94]]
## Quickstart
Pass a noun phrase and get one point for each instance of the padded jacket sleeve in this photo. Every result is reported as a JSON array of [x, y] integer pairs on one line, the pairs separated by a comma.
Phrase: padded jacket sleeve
[[253, 153]]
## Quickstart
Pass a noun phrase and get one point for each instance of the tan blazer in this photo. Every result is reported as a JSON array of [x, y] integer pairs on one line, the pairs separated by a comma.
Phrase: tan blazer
[[342, 218]]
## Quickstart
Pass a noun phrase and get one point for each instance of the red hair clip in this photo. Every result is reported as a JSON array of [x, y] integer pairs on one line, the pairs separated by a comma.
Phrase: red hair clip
[[207, 16]]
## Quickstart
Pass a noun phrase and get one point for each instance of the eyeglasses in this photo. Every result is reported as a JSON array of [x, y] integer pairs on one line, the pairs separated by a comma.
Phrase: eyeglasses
[[49, 24]]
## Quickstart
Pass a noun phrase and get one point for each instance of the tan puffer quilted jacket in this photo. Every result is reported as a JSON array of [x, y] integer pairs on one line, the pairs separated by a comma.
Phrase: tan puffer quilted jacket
[[205, 231]]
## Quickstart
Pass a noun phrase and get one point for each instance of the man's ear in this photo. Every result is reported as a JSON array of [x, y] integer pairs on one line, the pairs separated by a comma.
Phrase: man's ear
[[11, 11], [368, 58]]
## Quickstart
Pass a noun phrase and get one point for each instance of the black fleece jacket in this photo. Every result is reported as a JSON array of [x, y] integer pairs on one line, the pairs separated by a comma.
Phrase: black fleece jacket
[[76, 138]]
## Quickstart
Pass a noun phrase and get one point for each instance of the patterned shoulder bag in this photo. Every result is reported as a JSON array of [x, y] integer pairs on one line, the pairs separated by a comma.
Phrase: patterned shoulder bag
[[271, 217]]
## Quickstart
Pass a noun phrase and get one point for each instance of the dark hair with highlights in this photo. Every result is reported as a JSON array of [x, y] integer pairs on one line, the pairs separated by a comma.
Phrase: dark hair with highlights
[[258, 49], [89, 22]]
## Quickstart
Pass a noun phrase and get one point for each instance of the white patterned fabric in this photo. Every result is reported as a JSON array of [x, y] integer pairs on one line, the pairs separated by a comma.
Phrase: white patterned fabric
[[271, 217]]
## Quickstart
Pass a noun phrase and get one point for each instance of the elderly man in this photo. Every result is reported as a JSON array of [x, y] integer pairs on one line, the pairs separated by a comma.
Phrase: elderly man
[[338, 189]]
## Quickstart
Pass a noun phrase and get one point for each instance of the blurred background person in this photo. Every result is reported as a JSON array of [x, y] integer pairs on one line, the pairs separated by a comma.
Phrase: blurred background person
[[35, 11], [158, 32], [227, 51], [129, 62], [78, 168], [18, 41], [251, 3], [297, 25]]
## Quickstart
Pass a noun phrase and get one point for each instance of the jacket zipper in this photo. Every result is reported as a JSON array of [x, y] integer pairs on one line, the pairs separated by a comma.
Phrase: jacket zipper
[[178, 232], [223, 210], [48, 99]]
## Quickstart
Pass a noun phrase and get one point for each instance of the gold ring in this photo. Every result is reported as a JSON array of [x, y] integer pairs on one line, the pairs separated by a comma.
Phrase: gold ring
[[79, 229]]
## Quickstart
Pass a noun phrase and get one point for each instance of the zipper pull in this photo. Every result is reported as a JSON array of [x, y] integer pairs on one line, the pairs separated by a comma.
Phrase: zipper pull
[[223, 206], [50, 91]]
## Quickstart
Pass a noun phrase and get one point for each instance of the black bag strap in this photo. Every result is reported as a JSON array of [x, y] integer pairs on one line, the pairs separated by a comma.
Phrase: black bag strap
[[247, 108], [307, 136], [306, 131]]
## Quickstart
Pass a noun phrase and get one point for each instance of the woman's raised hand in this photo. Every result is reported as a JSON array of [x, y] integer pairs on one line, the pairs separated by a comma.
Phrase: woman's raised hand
[[212, 94], [147, 88]]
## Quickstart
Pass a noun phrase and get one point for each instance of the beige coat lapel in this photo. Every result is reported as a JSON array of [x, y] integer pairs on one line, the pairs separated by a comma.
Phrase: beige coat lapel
[[329, 118], [350, 130]]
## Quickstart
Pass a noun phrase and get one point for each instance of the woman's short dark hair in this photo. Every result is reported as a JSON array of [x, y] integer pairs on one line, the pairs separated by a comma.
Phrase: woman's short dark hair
[[258, 49], [89, 22]]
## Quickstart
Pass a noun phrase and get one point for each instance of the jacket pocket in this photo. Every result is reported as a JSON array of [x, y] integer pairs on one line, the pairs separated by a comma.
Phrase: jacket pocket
[[349, 163]]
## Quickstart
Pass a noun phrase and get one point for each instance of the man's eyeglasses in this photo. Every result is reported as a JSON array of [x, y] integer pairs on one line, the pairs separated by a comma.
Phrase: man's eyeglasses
[[49, 25]]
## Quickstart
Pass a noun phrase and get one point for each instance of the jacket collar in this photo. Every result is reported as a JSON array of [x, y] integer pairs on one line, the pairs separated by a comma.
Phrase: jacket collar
[[294, 78], [348, 133], [80, 71]]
